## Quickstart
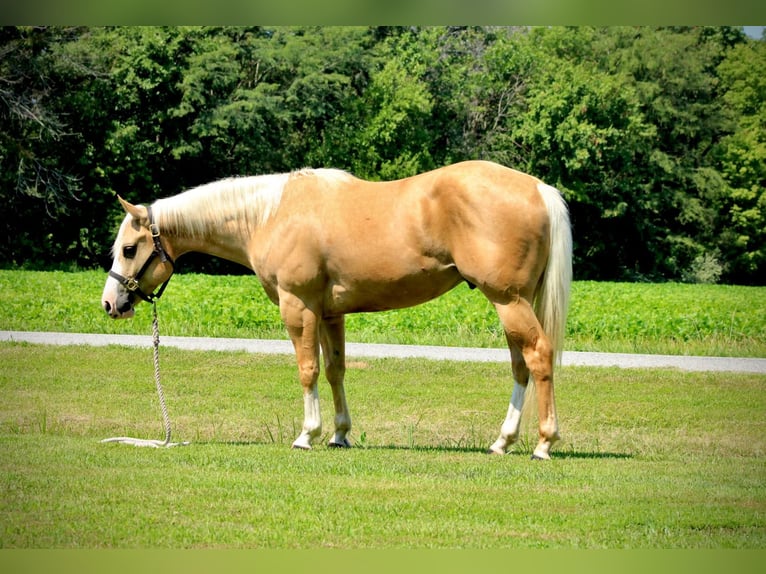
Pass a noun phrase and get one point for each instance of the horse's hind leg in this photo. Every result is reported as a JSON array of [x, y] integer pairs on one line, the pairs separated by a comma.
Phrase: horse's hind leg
[[509, 431], [525, 334], [334, 348]]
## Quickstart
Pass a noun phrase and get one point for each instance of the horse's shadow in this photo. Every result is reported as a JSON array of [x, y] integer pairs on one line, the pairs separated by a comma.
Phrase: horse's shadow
[[563, 454], [591, 455]]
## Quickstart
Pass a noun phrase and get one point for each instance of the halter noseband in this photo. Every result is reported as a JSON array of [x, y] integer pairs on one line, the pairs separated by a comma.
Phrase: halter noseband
[[131, 283]]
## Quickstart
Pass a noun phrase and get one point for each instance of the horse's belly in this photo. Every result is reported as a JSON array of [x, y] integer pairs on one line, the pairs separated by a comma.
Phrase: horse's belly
[[385, 294]]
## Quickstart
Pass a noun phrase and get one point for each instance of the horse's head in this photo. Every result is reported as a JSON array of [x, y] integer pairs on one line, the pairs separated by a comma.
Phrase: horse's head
[[140, 264]]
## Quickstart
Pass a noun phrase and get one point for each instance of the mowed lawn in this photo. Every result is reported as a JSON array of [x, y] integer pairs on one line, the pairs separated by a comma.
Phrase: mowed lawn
[[648, 458], [612, 317]]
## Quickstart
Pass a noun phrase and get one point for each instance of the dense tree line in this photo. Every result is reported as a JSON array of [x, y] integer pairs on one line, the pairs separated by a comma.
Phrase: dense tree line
[[656, 136]]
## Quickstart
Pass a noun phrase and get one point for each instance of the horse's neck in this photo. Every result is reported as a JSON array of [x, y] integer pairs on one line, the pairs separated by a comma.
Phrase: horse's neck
[[221, 217], [227, 241]]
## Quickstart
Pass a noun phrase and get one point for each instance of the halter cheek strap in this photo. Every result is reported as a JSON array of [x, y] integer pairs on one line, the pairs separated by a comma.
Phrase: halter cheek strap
[[131, 283]]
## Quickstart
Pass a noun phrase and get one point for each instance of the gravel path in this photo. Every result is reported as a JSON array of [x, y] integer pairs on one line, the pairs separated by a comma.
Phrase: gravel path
[[362, 350]]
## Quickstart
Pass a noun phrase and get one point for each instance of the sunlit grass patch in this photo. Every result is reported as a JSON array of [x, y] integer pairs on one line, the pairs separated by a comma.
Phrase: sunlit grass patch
[[648, 458], [612, 317]]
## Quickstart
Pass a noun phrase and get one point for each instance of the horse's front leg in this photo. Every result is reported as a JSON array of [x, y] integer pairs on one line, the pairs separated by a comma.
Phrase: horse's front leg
[[303, 327], [334, 349]]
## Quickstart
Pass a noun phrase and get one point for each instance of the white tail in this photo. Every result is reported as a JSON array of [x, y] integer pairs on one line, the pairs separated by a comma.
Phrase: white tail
[[552, 300]]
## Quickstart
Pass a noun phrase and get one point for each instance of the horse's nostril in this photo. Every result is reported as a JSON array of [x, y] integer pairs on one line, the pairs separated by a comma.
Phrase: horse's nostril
[[107, 306]]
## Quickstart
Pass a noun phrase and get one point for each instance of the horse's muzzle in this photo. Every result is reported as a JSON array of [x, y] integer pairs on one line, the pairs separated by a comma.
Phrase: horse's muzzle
[[123, 311]]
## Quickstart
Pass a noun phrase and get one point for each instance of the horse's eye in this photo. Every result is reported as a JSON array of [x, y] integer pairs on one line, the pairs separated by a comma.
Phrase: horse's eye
[[129, 251]]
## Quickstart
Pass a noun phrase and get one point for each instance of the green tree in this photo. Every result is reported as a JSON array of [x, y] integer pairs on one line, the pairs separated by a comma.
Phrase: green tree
[[229, 115], [478, 80], [655, 135], [741, 159], [321, 74], [391, 138], [675, 71], [625, 120], [582, 129], [35, 181]]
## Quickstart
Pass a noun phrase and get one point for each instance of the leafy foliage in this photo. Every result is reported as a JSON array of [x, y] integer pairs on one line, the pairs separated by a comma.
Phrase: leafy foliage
[[655, 135]]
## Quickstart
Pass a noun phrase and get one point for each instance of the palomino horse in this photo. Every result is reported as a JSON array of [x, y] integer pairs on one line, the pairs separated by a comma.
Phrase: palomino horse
[[324, 243]]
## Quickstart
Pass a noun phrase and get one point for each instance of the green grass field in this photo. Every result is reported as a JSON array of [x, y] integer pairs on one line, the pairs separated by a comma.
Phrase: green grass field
[[648, 458], [612, 317]]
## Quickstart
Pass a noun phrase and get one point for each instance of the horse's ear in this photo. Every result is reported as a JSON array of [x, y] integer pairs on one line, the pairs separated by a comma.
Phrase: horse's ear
[[137, 211]]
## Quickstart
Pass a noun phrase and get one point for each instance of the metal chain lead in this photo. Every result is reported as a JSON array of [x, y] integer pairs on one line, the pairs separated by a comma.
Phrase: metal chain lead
[[160, 393]]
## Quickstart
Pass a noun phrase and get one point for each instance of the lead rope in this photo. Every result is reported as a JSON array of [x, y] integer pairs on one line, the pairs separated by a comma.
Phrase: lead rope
[[156, 358], [163, 407]]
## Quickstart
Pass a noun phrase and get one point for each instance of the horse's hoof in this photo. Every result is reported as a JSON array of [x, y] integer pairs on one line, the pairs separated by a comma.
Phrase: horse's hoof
[[344, 444], [493, 451], [535, 457], [300, 447]]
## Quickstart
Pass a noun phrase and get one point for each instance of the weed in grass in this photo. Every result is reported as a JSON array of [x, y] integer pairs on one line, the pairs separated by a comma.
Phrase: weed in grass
[[42, 421]]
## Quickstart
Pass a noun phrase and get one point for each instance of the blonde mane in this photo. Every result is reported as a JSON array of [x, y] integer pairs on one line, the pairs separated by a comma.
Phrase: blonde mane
[[248, 201]]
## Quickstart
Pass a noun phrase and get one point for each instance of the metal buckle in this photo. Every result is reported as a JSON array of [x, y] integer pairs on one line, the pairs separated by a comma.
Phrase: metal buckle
[[155, 229], [131, 284]]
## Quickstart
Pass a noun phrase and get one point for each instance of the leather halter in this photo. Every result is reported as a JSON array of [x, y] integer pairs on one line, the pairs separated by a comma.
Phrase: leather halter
[[131, 283]]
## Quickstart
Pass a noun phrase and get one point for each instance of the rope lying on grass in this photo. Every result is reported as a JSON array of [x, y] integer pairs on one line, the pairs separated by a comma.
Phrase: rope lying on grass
[[165, 418]]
